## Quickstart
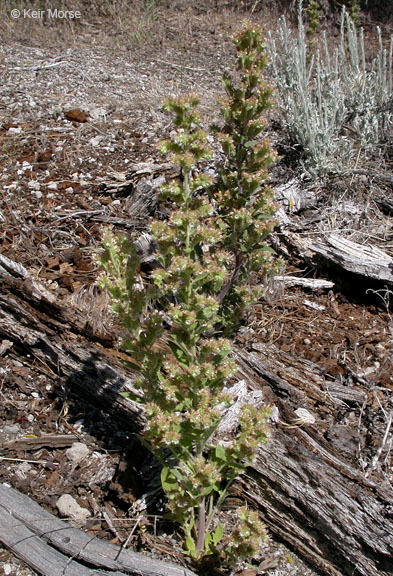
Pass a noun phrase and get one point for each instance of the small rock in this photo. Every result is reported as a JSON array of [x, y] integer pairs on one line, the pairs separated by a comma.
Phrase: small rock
[[7, 569], [77, 452], [34, 185], [52, 185], [15, 130], [37, 193], [68, 507], [95, 141], [11, 429], [69, 190], [369, 371], [75, 115], [98, 113]]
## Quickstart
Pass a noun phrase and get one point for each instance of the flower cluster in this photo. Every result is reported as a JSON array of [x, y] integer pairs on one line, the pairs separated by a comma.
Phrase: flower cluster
[[243, 200]]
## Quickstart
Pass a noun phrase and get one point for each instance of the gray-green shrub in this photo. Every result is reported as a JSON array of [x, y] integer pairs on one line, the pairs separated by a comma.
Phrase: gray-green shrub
[[335, 102]]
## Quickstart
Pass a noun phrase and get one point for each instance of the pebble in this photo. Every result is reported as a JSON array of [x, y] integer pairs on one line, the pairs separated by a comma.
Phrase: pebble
[[11, 429], [68, 507], [95, 141], [34, 185], [15, 130], [77, 452]]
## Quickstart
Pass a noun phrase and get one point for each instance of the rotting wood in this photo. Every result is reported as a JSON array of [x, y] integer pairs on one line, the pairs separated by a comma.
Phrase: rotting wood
[[50, 440], [53, 548], [309, 495], [295, 197], [310, 283], [122, 183], [365, 260], [37, 554]]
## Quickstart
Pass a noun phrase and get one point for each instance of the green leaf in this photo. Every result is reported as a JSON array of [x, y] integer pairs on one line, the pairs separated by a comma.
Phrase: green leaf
[[189, 545], [207, 540], [217, 535], [168, 481], [132, 364], [179, 351], [134, 397], [221, 453]]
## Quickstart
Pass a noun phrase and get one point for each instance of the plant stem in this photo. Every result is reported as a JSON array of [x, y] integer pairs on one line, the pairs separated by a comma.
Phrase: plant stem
[[201, 527]]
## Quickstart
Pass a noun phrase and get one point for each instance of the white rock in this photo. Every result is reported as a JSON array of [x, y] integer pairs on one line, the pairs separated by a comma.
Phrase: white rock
[[37, 193], [69, 190], [11, 429], [77, 452], [34, 185], [98, 113], [15, 130], [95, 141], [69, 508], [52, 186]]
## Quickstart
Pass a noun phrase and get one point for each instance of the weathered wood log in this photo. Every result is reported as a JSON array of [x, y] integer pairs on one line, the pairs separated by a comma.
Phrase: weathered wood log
[[53, 548], [314, 499], [362, 259], [310, 283], [295, 196], [335, 252], [36, 443], [310, 496]]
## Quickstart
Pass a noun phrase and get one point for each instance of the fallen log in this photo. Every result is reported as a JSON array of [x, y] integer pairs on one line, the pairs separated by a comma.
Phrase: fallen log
[[53, 548], [362, 259], [309, 495]]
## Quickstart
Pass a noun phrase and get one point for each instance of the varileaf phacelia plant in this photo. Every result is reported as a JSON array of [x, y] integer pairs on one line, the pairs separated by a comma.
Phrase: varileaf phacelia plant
[[204, 251], [244, 201]]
